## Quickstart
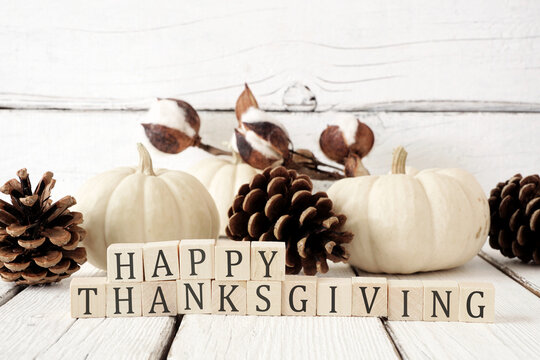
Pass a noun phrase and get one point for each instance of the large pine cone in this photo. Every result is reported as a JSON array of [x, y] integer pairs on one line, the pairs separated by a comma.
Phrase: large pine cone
[[38, 239], [278, 205], [515, 218]]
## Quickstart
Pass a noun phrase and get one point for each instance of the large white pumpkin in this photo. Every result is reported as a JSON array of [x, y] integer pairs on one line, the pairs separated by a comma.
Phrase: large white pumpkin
[[138, 204], [420, 221], [222, 177]]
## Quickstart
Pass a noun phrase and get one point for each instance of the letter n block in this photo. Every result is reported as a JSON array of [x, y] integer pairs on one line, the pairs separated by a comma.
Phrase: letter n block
[[194, 296], [88, 297], [125, 262], [161, 261], [197, 258], [124, 299], [267, 260], [370, 296], [334, 296], [441, 300], [299, 295], [476, 302], [264, 298], [405, 299], [229, 297], [232, 260], [159, 298]]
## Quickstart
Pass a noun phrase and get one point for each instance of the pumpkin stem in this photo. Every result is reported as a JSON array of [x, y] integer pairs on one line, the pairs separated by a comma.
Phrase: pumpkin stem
[[145, 161], [398, 160]]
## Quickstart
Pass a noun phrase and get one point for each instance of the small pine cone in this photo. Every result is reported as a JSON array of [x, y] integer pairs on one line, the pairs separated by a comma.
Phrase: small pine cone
[[38, 239], [278, 205], [515, 218]]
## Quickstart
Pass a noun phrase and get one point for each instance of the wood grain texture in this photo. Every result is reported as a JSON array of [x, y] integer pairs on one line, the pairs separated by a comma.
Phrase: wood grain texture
[[384, 55]]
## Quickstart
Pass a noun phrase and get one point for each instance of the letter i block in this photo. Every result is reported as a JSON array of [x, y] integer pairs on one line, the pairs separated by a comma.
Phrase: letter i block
[[88, 297], [267, 260], [124, 299], [229, 297], [370, 296], [476, 302], [197, 258], [405, 299], [159, 298], [441, 300], [334, 296], [232, 260], [125, 262], [194, 296], [264, 298], [161, 261], [299, 295]]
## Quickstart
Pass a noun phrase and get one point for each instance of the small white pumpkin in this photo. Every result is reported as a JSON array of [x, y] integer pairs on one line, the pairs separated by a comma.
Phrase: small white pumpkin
[[142, 205], [222, 177], [420, 221]]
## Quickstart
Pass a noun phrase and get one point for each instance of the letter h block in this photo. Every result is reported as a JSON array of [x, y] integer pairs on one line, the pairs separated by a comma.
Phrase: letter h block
[[125, 263]]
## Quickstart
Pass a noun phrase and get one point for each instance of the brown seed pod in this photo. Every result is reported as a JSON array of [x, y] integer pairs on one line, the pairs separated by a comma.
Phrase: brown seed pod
[[245, 101]]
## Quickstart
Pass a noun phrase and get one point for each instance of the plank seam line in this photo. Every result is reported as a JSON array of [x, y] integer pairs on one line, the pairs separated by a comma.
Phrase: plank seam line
[[60, 336], [510, 273], [11, 293], [167, 348]]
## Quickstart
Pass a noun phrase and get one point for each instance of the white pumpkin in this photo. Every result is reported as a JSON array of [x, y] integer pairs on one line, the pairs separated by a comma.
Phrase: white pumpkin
[[420, 221], [222, 177], [142, 205]]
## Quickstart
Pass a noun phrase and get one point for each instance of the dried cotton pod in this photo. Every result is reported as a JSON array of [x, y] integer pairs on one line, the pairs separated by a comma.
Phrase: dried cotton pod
[[245, 101]]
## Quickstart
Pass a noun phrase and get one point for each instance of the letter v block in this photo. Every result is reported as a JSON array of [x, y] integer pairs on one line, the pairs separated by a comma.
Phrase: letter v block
[[88, 297], [334, 296], [194, 296], [124, 299], [299, 295], [159, 298], [370, 296], [161, 261], [229, 297], [267, 260], [125, 262], [232, 260], [405, 299], [476, 302], [441, 300], [197, 258]]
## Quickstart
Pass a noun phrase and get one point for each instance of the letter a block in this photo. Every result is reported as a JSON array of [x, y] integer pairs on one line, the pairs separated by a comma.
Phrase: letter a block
[[159, 298], [267, 260], [88, 297], [229, 297], [161, 261], [124, 299], [232, 260], [369, 296], [125, 263], [441, 300], [405, 299], [476, 302], [194, 296], [299, 295], [197, 259], [334, 296], [264, 298]]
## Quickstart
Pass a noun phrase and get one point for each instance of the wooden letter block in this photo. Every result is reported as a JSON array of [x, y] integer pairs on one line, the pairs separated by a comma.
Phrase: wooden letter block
[[405, 299], [264, 298], [441, 300], [232, 260], [124, 299], [125, 262], [197, 258], [267, 260], [369, 296], [334, 296], [88, 297], [194, 296], [159, 298], [476, 302], [299, 295], [161, 261], [229, 297]]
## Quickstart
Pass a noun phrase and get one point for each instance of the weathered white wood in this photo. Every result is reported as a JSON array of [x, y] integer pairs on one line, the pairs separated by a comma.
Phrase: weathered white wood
[[291, 337], [514, 335], [381, 55]]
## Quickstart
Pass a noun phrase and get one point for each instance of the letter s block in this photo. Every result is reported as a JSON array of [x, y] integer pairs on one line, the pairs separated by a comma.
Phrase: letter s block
[[476, 302], [88, 297], [299, 295], [197, 259], [232, 260], [264, 298], [125, 262]]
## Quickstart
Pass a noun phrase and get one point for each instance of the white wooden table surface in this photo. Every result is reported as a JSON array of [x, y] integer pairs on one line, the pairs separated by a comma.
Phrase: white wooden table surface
[[456, 83]]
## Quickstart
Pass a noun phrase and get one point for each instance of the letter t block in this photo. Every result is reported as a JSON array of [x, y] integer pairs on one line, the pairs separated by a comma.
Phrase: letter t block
[[125, 262], [88, 297]]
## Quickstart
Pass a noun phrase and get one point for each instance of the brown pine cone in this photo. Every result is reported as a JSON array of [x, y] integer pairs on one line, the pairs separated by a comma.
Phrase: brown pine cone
[[38, 239], [278, 205], [515, 218]]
